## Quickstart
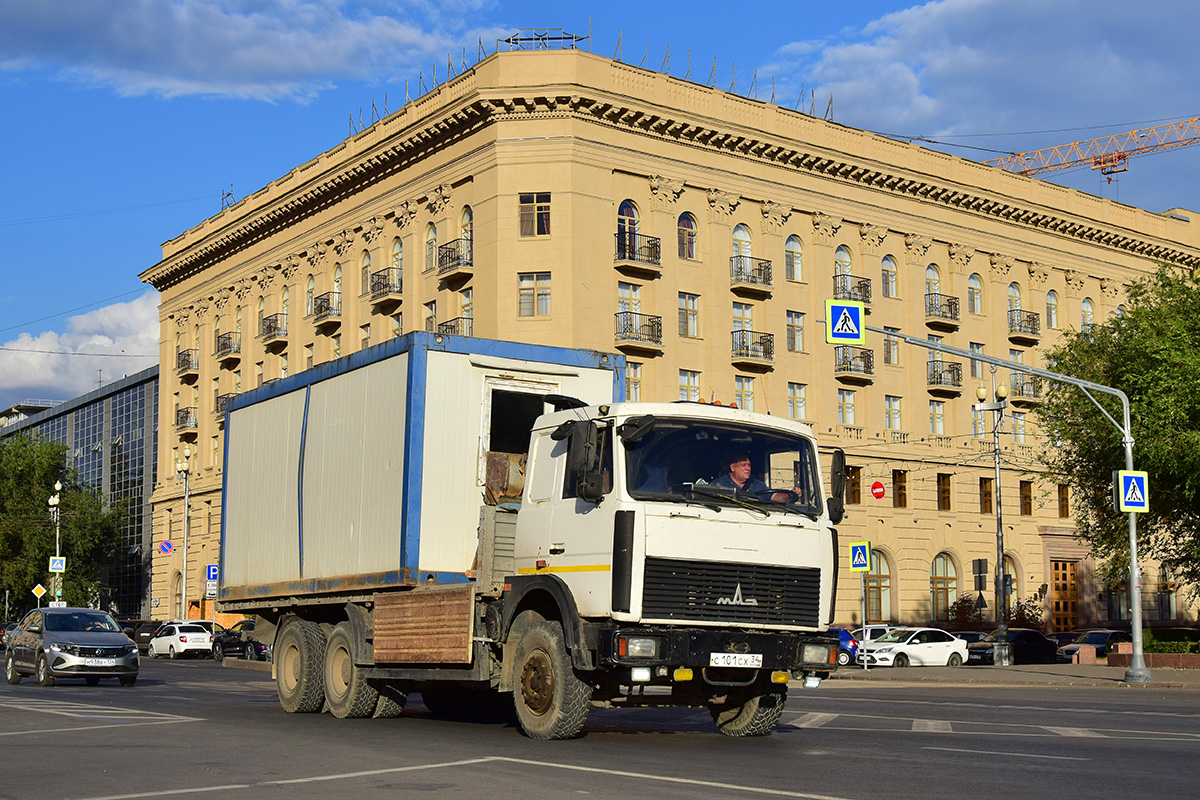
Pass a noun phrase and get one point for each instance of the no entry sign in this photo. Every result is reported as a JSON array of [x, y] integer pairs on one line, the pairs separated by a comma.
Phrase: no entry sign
[[877, 490]]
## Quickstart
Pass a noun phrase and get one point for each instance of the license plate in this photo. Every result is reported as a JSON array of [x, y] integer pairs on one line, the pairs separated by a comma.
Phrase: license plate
[[735, 660], [99, 662]]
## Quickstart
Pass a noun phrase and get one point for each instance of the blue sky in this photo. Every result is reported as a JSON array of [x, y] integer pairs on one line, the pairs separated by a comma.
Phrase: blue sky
[[125, 119]]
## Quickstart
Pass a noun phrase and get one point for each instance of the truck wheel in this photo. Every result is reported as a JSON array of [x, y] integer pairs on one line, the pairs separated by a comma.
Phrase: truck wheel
[[750, 711], [299, 681], [551, 700], [391, 701], [42, 671], [346, 690], [10, 670]]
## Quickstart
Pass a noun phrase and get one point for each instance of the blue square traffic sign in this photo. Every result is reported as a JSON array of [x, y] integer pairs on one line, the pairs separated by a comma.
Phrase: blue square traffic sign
[[212, 572], [1133, 491], [860, 556], [844, 322]]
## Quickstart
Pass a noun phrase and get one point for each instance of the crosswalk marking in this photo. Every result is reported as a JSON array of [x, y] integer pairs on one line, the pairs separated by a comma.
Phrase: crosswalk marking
[[1077, 733], [932, 726], [813, 720]]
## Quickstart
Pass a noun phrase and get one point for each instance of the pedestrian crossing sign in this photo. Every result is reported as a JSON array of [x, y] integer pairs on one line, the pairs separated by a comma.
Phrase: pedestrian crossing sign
[[860, 556], [1133, 491], [844, 322]]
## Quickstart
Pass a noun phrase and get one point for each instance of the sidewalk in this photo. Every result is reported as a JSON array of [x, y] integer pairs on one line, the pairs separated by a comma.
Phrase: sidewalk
[[1026, 674]]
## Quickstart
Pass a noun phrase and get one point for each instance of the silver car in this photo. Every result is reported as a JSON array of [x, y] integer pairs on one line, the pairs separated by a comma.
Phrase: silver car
[[83, 643]]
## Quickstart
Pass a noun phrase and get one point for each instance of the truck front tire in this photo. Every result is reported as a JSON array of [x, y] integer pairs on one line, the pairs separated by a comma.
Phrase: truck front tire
[[346, 690], [551, 700], [299, 674], [750, 711]]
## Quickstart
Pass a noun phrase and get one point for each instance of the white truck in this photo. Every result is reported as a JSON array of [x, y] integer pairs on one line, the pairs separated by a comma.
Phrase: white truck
[[439, 514]]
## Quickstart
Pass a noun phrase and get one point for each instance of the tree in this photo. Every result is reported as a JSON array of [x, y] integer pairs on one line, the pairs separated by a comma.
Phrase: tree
[[89, 532], [1151, 351]]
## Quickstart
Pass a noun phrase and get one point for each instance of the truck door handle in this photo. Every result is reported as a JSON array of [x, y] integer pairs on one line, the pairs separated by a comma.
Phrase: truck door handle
[[557, 550]]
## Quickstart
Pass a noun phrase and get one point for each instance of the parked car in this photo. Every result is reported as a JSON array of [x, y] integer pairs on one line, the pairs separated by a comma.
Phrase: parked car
[[1066, 637], [870, 633], [4, 632], [916, 646], [175, 640], [238, 640], [1027, 646], [969, 636], [55, 643], [1103, 641], [847, 645]]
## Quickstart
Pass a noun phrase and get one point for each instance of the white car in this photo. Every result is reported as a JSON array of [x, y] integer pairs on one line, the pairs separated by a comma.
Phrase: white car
[[871, 632], [174, 641], [921, 647]]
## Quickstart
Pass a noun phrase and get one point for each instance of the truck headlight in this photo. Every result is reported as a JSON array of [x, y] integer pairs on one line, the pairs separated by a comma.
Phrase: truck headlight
[[818, 653], [638, 646]]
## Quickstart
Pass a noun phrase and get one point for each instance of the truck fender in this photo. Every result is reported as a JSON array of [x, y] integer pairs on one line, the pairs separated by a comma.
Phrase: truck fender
[[361, 621], [549, 596]]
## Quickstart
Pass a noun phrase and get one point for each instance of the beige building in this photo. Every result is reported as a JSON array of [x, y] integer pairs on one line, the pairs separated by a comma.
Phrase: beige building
[[559, 197]]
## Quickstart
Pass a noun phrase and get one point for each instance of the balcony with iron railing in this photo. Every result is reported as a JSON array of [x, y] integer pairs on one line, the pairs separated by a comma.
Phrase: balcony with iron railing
[[853, 364], [187, 365], [222, 400], [941, 311], [748, 275], [327, 310], [851, 287], [1024, 326], [273, 331], [944, 377], [186, 422], [752, 349], [1024, 390], [635, 252], [229, 348], [459, 326], [387, 286], [456, 260], [639, 332]]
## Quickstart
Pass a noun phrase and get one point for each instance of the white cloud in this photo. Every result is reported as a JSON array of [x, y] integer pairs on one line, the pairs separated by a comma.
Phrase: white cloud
[[255, 49], [121, 330]]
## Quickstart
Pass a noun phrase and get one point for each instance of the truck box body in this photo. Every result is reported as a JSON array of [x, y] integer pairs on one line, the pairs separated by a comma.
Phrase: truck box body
[[369, 472]]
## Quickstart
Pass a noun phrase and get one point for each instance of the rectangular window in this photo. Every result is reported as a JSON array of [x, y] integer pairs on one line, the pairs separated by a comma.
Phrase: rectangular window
[[533, 294], [1026, 498], [854, 485], [259, 376], [535, 214], [743, 317], [1018, 427], [364, 336], [891, 346], [283, 365], [797, 404], [795, 331], [1064, 501], [978, 423], [689, 385], [943, 491], [891, 412], [689, 315], [985, 495], [337, 345], [633, 381], [308, 356], [976, 366], [845, 407], [937, 417], [431, 316], [397, 324], [899, 488], [743, 392]]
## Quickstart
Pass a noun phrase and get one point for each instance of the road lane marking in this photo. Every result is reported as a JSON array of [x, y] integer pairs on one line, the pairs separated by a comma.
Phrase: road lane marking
[[931, 726], [813, 720], [111, 717], [1080, 733], [1006, 755]]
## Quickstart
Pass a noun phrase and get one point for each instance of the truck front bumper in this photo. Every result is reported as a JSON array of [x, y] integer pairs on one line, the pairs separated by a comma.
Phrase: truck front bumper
[[706, 649]]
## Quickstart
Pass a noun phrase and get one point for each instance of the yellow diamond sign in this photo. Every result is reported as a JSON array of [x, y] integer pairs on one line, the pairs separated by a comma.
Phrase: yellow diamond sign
[[38, 591]]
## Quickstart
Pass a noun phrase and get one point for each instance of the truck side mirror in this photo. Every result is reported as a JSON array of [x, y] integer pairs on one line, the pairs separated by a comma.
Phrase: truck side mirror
[[837, 487], [584, 456]]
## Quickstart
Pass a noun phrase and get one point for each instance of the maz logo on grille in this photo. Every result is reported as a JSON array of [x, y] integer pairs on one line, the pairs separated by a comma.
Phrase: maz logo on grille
[[737, 599]]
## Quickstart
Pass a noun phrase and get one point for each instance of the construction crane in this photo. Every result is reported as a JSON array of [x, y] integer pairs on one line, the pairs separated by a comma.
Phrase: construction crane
[[1109, 154]]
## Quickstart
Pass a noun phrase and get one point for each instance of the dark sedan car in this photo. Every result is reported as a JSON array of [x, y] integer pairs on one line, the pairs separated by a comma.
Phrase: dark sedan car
[[238, 641], [1027, 646], [53, 643], [1104, 642]]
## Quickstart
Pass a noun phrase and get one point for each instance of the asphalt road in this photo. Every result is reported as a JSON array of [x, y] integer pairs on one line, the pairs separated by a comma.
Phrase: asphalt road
[[193, 729]]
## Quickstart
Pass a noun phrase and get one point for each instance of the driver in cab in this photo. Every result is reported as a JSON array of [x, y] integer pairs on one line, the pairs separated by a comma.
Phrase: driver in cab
[[739, 477]]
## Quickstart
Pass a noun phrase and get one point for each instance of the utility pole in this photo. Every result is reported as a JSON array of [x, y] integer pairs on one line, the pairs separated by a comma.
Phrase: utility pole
[[183, 467], [1002, 654]]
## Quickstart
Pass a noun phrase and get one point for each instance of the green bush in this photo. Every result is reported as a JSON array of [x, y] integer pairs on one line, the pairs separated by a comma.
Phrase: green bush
[[1168, 641]]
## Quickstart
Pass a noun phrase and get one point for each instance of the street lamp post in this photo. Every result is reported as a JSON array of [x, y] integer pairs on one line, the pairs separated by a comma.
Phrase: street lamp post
[[1001, 655], [183, 468], [53, 503]]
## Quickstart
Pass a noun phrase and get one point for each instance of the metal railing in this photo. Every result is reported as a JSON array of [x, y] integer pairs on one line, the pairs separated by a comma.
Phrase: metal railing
[[187, 360], [459, 326], [1024, 387], [387, 282], [632, 246], [851, 287], [750, 270], [185, 418], [941, 306], [228, 344], [1027, 323], [634, 327], [752, 344], [222, 401], [944, 373], [455, 255], [853, 360], [273, 327], [327, 306]]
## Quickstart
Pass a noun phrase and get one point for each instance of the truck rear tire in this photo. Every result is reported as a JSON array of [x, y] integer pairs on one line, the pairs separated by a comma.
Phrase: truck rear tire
[[391, 701], [346, 689], [750, 711], [299, 679], [551, 700]]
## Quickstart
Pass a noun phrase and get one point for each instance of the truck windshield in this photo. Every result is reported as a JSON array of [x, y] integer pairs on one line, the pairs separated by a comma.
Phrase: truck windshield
[[686, 460]]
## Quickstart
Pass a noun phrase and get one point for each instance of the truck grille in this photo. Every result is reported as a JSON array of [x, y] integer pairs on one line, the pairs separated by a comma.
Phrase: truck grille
[[757, 594]]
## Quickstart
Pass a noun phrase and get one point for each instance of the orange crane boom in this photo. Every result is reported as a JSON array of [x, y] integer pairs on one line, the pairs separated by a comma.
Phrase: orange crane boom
[[1108, 154]]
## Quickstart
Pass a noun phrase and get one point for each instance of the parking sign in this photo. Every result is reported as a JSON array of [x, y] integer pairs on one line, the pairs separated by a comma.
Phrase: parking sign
[[212, 572]]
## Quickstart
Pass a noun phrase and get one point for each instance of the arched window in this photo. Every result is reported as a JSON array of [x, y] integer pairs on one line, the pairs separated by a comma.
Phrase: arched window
[[309, 292], [842, 263], [284, 302], [237, 318], [196, 337], [742, 263], [687, 236], [975, 294], [262, 312], [891, 277], [216, 327], [879, 588], [943, 587], [627, 218], [366, 272], [178, 342], [1051, 309], [430, 247], [1014, 297], [793, 258], [1119, 311], [1089, 315], [933, 280], [466, 225], [1167, 588], [337, 280], [397, 254]]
